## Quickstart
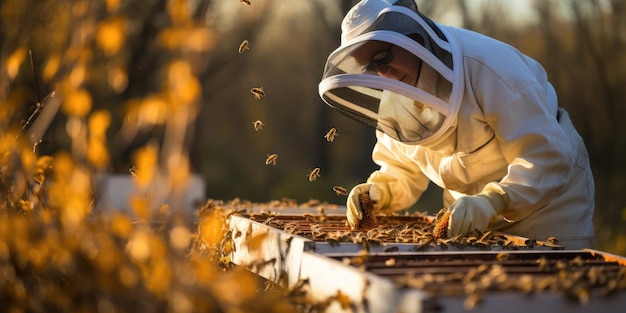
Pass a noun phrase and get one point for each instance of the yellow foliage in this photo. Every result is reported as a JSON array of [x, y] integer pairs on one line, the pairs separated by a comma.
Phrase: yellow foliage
[[128, 276], [97, 152], [180, 237], [5, 253], [26, 205], [75, 128], [145, 160], [117, 78], [74, 210], [62, 166], [15, 61], [140, 206], [178, 167], [234, 291], [77, 103], [195, 39], [108, 257], [185, 91], [139, 247], [121, 225], [51, 66], [179, 70], [77, 76], [152, 110], [184, 86], [80, 8], [53, 248], [159, 277], [44, 163], [29, 159], [255, 242], [110, 36], [99, 122], [179, 11], [211, 229], [112, 4]]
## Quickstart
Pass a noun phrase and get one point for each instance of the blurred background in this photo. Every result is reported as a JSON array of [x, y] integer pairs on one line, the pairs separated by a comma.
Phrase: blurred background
[[120, 57]]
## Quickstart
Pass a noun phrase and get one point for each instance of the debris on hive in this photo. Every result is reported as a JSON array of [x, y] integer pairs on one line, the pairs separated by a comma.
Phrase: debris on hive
[[369, 219], [441, 224]]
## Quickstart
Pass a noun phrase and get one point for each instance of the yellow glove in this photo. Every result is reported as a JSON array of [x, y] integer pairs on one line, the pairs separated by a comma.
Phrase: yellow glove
[[379, 194], [475, 212]]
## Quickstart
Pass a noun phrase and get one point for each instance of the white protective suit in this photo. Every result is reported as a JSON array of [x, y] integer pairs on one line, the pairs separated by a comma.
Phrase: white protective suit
[[493, 117]]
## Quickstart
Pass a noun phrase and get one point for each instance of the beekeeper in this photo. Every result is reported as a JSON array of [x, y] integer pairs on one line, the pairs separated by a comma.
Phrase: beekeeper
[[467, 112]]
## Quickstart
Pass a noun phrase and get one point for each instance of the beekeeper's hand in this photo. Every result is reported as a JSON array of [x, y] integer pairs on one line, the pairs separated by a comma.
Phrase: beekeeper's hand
[[379, 195], [475, 212]]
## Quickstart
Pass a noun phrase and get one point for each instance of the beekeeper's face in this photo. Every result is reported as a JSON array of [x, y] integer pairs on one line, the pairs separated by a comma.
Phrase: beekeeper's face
[[387, 60]]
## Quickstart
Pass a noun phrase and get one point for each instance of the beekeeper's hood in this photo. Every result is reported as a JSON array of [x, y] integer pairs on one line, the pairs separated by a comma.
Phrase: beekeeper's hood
[[415, 112]]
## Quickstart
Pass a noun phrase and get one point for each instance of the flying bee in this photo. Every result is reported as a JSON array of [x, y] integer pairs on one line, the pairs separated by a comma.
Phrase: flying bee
[[258, 92], [271, 159], [315, 173], [133, 171], [258, 125], [340, 191], [245, 45], [246, 2], [330, 135]]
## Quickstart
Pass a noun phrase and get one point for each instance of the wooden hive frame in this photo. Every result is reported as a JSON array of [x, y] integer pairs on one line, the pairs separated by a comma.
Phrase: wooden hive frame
[[329, 271]]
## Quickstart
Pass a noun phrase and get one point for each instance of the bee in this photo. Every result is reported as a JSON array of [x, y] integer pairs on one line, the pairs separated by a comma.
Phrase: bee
[[246, 2], [502, 256], [309, 218], [271, 159], [315, 173], [132, 171], [258, 125], [340, 191], [582, 294], [577, 261], [330, 135], [472, 301], [258, 92], [543, 264], [245, 45], [552, 242]]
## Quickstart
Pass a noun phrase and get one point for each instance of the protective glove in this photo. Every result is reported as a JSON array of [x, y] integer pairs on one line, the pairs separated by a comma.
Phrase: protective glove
[[475, 212], [379, 194]]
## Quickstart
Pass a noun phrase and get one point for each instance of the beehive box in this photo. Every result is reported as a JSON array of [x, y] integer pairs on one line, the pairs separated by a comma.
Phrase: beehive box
[[399, 266]]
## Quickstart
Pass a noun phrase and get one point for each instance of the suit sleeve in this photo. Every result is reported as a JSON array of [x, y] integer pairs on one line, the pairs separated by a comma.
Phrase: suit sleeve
[[398, 172]]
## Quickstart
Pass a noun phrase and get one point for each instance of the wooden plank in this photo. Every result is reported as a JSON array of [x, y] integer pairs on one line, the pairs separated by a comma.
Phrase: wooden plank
[[608, 256], [365, 292], [374, 286]]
